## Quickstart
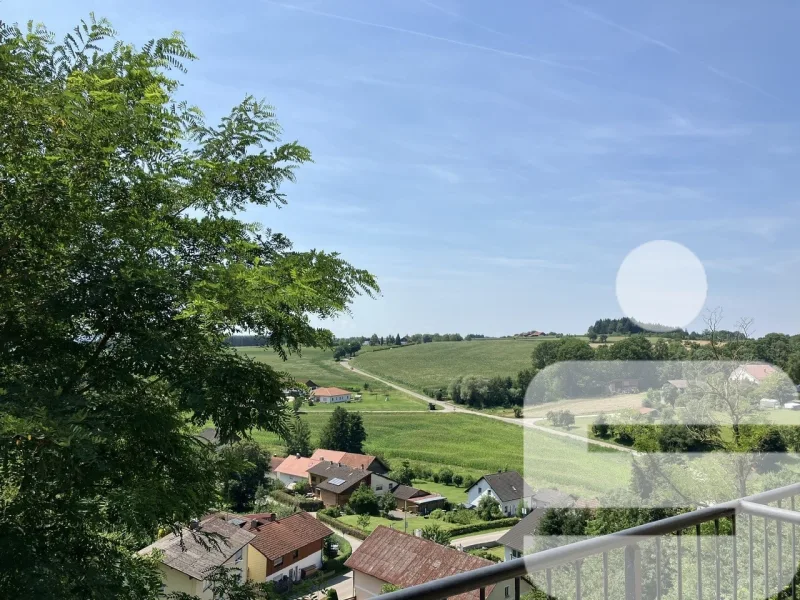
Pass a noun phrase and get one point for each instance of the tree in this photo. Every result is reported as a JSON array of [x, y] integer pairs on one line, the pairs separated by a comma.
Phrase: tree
[[331, 594], [387, 503], [246, 466], [397, 340], [592, 336], [344, 431], [298, 439], [374, 340], [302, 487], [488, 508], [119, 228], [436, 533], [229, 584], [600, 427], [405, 474], [363, 520], [603, 338], [364, 501], [446, 476], [520, 509], [458, 480]]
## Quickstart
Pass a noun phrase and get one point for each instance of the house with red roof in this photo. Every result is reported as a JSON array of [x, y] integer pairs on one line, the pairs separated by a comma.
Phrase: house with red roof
[[403, 560], [753, 373], [294, 468], [284, 550], [331, 395], [351, 459]]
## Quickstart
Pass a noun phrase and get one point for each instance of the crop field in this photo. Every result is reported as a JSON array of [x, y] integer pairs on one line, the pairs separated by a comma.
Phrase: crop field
[[319, 366], [472, 445], [437, 364], [588, 406]]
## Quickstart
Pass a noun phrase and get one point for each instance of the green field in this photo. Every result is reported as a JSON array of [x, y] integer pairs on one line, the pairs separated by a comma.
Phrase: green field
[[318, 365], [437, 364], [472, 445], [413, 523], [456, 495]]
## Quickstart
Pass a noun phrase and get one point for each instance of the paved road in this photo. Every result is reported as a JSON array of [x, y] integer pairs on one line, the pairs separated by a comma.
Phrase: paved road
[[479, 539], [526, 422]]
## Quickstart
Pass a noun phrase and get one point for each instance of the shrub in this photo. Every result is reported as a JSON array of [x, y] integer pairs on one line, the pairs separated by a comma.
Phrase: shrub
[[485, 554], [306, 504], [436, 533], [364, 501], [424, 473], [469, 481], [435, 477], [335, 564], [389, 587], [489, 509], [331, 594], [458, 480], [483, 526], [343, 527], [332, 511], [446, 476], [363, 521], [437, 514], [462, 516], [517, 412], [301, 488]]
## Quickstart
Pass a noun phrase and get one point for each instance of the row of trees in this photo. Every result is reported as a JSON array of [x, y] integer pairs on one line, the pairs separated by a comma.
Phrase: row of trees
[[478, 392], [344, 431]]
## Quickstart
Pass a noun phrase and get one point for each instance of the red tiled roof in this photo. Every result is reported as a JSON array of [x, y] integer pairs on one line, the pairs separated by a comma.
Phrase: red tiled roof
[[759, 371], [355, 461], [645, 410], [279, 538], [405, 560], [275, 462], [331, 391], [297, 466]]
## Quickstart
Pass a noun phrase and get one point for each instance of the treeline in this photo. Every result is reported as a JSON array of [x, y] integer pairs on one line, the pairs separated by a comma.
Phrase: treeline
[[626, 326], [247, 340], [478, 392]]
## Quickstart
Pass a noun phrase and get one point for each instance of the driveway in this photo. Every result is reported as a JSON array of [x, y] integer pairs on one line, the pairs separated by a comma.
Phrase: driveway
[[479, 539]]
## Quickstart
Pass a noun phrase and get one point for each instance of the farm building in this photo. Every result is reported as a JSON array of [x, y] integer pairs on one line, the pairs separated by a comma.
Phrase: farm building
[[413, 500], [331, 395], [623, 386], [769, 403]]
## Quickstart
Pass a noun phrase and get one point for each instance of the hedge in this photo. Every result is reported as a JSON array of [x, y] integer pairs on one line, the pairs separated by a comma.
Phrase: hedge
[[336, 565], [483, 526], [306, 504], [343, 527]]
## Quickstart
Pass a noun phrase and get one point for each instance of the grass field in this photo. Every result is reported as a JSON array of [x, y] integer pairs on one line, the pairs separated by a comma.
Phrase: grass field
[[588, 406], [456, 495], [318, 365], [472, 445], [415, 522]]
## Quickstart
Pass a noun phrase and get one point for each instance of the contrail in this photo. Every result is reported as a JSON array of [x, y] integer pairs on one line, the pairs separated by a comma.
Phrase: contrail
[[429, 36], [664, 46]]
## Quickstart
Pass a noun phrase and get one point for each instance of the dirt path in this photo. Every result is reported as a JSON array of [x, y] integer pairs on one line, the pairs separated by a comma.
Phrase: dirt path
[[448, 407]]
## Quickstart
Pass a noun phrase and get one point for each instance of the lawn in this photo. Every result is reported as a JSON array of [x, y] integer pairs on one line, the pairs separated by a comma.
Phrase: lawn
[[412, 522], [472, 445], [456, 495], [318, 365]]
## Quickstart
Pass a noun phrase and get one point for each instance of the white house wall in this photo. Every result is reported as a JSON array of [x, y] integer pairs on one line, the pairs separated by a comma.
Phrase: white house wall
[[312, 559], [287, 479], [378, 481]]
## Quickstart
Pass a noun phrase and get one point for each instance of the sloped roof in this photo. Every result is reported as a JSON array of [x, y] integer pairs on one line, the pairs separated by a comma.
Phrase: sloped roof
[[759, 372], [404, 560], [275, 462], [551, 497], [331, 391], [508, 485], [515, 537], [195, 559], [297, 466], [279, 538], [347, 476], [681, 384], [406, 492], [351, 459]]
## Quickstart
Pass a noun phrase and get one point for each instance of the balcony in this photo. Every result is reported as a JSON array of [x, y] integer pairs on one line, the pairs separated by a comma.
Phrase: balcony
[[739, 550]]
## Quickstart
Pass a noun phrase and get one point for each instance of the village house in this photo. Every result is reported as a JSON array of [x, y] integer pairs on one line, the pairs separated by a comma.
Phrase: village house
[[187, 559], [520, 539], [331, 395], [285, 550], [294, 469], [413, 500], [403, 560], [753, 373], [334, 482], [351, 459], [507, 487]]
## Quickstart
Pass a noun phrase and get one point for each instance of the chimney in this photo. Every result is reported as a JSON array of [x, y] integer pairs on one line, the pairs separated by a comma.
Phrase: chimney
[[271, 517], [298, 455], [194, 525]]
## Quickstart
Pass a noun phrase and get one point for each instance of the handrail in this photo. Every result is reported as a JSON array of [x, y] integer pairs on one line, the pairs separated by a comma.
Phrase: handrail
[[545, 559]]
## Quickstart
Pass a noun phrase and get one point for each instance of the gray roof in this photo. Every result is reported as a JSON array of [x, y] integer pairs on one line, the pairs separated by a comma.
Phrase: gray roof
[[554, 498], [331, 470], [195, 558], [406, 492], [515, 537], [508, 485]]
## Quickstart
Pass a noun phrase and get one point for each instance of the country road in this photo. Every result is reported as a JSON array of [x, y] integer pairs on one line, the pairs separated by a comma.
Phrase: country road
[[530, 423]]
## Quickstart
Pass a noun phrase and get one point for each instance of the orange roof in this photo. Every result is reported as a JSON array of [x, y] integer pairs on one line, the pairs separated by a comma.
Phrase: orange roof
[[279, 538], [349, 459], [759, 372], [332, 391], [405, 560], [297, 466]]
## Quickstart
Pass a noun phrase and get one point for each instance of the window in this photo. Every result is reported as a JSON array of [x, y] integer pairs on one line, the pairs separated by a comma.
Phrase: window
[[378, 488], [480, 489], [508, 591], [237, 558], [296, 553], [278, 561]]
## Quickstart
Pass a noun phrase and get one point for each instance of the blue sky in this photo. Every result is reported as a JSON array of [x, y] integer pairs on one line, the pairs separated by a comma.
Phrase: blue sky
[[493, 163]]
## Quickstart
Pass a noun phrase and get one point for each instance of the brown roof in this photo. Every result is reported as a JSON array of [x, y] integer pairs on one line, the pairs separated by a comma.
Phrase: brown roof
[[404, 560], [275, 462], [406, 492], [196, 558], [357, 461], [344, 476], [279, 538], [331, 391], [297, 466]]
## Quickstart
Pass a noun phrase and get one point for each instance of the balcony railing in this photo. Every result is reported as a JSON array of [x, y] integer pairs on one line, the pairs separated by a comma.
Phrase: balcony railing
[[748, 550]]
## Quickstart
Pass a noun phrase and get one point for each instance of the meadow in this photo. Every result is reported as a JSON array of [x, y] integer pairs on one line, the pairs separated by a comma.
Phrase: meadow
[[318, 365], [472, 445]]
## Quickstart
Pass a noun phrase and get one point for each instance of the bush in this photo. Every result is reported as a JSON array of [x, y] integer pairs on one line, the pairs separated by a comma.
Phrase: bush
[[517, 412], [469, 481], [435, 477], [332, 511], [424, 473], [489, 509], [446, 476], [436, 533], [336, 564], [301, 488], [485, 554], [458, 480], [364, 501], [462, 516], [331, 594], [437, 514], [343, 527], [306, 504], [483, 526]]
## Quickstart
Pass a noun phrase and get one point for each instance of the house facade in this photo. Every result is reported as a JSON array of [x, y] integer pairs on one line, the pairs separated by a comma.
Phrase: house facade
[[334, 482], [508, 488], [376, 561], [331, 395], [288, 549], [413, 500], [186, 559], [520, 540]]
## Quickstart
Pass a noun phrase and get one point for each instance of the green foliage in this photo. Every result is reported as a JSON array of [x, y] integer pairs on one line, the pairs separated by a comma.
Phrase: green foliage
[[458, 480], [123, 270], [436, 514], [363, 521], [600, 427], [344, 431], [488, 508], [405, 474], [446, 476], [228, 584], [483, 526], [469, 481], [563, 521], [520, 509], [245, 465], [301, 488], [307, 504], [386, 588], [462, 516], [561, 418], [436, 533], [387, 503], [364, 501], [341, 526], [298, 438], [297, 404], [331, 594]]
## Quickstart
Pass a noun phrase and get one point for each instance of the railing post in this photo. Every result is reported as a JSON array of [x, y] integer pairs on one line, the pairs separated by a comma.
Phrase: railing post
[[633, 572]]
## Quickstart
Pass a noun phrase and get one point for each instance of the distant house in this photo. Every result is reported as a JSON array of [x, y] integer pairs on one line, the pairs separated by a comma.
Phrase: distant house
[[753, 373], [334, 482], [648, 412], [288, 549], [294, 468], [413, 500], [187, 559], [331, 395], [519, 540], [311, 385], [507, 487], [679, 384], [389, 556], [351, 459], [623, 386]]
